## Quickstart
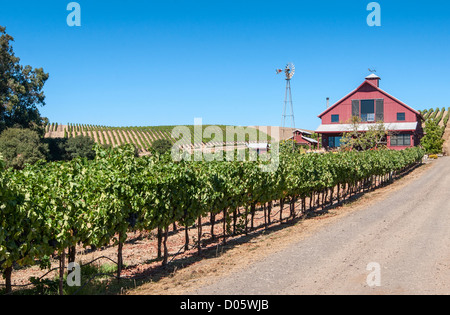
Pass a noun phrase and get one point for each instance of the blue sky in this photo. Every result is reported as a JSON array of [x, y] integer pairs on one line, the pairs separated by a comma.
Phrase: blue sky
[[144, 63]]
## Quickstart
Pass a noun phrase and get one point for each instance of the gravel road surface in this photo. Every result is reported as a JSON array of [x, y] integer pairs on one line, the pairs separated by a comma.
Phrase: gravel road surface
[[400, 245]]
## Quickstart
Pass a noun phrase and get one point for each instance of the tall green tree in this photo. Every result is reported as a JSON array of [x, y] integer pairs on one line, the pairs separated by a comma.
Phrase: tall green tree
[[21, 89], [432, 142]]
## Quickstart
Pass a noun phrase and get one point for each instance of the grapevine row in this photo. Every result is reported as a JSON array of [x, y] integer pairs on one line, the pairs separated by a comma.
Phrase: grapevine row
[[48, 208], [439, 115], [143, 137]]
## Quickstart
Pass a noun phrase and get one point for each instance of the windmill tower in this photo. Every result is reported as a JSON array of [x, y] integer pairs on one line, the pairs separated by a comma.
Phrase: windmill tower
[[288, 109]]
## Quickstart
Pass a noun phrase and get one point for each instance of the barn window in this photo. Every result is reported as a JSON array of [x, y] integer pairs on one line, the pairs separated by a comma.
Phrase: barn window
[[367, 110], [403, 139], [334, 142], [334, 118], [401, 116]]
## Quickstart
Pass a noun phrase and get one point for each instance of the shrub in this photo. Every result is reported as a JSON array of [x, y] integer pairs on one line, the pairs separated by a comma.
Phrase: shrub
[[80, 146], [432, 141], [56, 149], [22, 146], [162, 146]]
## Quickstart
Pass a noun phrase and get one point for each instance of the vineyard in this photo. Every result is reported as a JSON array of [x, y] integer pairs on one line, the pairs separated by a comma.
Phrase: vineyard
[[50, 209], [440, 115], [143, 137]]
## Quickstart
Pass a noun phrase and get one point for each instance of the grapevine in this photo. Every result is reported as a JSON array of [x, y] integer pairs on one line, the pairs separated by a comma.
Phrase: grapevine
[[49, 208]]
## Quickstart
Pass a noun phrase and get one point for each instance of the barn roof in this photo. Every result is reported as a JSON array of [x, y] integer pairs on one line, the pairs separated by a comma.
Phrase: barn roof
[[309, 139], [305, 138], [375, 87], [303, 131], [372, 76]]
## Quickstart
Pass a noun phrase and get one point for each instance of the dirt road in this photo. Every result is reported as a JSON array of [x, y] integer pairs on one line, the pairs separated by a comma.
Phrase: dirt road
[[399, 245]]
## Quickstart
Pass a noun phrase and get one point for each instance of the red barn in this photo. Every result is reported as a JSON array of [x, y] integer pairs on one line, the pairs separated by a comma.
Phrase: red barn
[[303, 137], [371, 104]]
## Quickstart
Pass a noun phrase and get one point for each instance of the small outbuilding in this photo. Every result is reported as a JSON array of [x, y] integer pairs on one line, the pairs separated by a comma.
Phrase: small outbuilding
[[303, 138]]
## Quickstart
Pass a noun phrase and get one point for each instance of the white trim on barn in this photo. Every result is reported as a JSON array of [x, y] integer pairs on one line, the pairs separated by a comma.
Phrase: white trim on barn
[[364, 127]]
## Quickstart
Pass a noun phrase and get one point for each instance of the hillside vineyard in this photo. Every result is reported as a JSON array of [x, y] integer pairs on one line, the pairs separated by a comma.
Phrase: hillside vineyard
[[143, 137]]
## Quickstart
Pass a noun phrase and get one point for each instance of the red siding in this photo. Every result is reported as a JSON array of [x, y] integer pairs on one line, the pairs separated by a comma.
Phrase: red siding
[[367, 91], [298, 138], [400, 147], [375, 82]]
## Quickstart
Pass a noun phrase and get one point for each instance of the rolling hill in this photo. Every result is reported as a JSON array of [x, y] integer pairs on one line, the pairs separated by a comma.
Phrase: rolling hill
[[193, 137]]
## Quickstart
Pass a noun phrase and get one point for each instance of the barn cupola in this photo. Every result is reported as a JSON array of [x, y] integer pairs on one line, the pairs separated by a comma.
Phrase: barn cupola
[[374, 79]]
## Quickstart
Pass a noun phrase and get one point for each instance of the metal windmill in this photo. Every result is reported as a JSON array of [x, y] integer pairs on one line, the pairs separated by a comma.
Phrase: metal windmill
[[288, 105]]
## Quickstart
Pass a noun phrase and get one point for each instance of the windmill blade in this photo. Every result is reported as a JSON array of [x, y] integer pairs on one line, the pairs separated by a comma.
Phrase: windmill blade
[[290, 70]]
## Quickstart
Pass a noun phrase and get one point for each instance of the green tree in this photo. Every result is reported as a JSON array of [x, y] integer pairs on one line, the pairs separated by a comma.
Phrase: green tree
[[162, 146], [80, 146], [432, 141], [20, 89], [21, 146], [374, 136], [57, 149]]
